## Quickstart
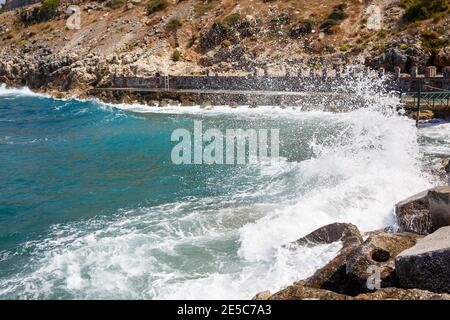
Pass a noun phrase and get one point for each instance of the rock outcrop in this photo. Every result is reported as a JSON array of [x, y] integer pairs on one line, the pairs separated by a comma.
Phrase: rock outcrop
[[424, 212], [427, 264]]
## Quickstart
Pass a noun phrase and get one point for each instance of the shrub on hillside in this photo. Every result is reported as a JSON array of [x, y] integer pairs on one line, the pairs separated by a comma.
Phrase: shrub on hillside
[[156, 5], [116, 3], [431, 41], [303, 27], [48, 9], [423, 9], [334, 18], [176, 56], [174, 24]]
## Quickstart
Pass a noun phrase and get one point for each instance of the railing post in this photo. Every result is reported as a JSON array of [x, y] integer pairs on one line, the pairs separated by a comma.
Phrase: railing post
[[430, 72], [397, 72], [414, 72], [419, 93]]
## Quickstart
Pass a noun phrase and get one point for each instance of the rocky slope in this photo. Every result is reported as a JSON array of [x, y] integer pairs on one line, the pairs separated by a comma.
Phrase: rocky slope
[[137, 37]]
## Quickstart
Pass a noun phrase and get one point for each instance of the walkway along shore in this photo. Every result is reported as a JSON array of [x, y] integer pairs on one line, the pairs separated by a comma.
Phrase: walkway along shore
[[282, 90]]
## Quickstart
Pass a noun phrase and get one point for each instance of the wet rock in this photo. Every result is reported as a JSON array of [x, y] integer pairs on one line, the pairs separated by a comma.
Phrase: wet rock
[[424, 115], [402, 294], [345, 232], [298, 291], [264, 295], [427, 264], [424, 212], [377, 251], [446, 164], [333, 275]]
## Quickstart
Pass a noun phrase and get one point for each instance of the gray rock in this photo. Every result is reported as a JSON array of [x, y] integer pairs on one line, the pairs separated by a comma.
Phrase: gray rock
[[427, 264], [345, 232], [424, 212], [332, 276]]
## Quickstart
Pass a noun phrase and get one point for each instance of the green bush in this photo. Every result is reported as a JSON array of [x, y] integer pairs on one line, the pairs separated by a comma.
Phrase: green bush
[[335, 17], [174, 24], [156, 5], [176, 56], [344, 47], [232, 19], [227, 43], [431, 41], [423, 9], [48, 9], [116, 3], [303, 27], [201, 8]]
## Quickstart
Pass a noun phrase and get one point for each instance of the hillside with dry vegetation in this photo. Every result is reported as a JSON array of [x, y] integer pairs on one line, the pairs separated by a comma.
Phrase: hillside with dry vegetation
[[137, 37]]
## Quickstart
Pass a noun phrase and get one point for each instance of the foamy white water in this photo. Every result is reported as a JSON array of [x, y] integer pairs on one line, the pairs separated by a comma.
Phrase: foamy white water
[[340, 167], [198, 250]]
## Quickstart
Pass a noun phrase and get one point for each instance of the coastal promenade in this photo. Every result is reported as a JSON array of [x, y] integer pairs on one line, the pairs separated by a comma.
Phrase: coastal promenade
[[287, 89]]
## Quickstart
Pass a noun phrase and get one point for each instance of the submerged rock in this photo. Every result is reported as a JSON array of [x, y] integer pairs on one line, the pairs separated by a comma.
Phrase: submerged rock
[[379, 251], [402, 294], [424, 212], [427, 264]]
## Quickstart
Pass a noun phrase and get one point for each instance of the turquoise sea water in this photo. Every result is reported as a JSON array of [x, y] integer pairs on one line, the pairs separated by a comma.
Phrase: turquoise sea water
[[91, 205]]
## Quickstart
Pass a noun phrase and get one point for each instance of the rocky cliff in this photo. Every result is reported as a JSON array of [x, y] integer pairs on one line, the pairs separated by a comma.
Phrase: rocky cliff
[[137, 37]]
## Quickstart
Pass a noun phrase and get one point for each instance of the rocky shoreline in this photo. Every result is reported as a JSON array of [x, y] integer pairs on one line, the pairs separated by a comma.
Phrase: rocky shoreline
[[407, 261]]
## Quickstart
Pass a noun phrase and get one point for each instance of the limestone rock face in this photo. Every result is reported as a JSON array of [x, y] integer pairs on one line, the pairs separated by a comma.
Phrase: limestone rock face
[[378, 250], [425, 212], [427, 264], [402, 294]]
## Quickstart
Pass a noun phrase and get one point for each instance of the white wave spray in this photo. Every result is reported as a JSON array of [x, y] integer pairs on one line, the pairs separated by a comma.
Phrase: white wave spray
[[213, 248]]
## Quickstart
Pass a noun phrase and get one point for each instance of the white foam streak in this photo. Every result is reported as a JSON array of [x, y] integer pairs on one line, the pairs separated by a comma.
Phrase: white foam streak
[[21, 91]]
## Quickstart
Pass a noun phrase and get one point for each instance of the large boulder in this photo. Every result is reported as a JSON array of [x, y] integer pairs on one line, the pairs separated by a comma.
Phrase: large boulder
[[402, 294], [332, 276], [346, 232], [427, 264], [378, 251], [424, 212], [298, 291]]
